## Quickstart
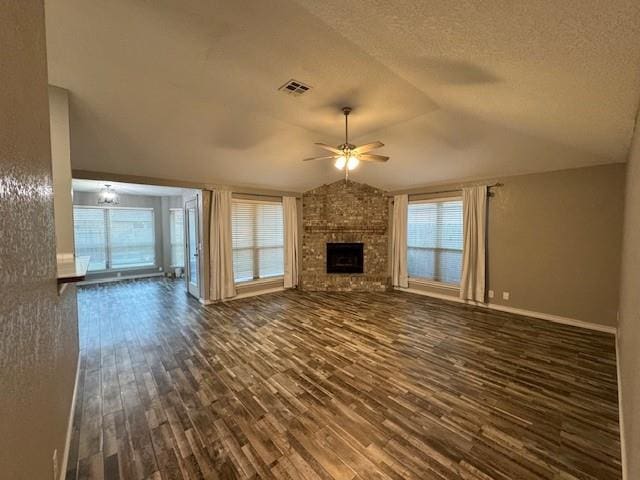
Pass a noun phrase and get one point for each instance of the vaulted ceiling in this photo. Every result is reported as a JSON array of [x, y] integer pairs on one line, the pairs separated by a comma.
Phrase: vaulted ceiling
[[188, 89]]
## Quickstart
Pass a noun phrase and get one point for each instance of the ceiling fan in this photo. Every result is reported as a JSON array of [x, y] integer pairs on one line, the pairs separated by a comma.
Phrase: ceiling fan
[[347, 156]]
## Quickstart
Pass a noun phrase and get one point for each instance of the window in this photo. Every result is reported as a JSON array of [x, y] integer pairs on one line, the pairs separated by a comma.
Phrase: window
[[90, 235], [115, 238], [131, 237], [258, 240], [176, 234], [434, 240]]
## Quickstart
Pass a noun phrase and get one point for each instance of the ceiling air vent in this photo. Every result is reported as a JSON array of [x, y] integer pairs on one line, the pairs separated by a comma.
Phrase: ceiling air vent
[[295, 88]]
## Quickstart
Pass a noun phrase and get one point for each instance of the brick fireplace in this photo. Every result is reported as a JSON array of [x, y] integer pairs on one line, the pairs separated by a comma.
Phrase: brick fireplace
[[345, 213]]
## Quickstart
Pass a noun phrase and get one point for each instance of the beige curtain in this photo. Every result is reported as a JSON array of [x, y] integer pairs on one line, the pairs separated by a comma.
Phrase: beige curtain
[[399, 277], [221, 248], [474, 205], [290, 214]]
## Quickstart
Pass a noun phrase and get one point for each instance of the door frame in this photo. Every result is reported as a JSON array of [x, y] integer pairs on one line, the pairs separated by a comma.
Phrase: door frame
[[194, 290]]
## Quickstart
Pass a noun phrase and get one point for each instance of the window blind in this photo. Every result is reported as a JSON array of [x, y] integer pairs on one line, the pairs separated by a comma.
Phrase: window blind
[[90, 235], [258, 240], [115, 237], [176, 234], [434, 240], [131, 237]]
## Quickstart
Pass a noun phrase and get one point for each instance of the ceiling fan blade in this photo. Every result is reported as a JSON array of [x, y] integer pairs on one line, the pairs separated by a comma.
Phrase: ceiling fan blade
[[335, 150], [329, 157], [367, 157], [367, 147]]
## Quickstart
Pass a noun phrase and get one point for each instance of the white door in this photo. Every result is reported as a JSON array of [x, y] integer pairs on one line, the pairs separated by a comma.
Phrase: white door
[[193, 252]]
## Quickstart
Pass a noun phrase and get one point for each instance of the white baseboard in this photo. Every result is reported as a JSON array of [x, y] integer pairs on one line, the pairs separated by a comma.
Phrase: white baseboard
[[623, 445], [255, 293], [244, 295], [118, 279], [517, 311], [67, 443]]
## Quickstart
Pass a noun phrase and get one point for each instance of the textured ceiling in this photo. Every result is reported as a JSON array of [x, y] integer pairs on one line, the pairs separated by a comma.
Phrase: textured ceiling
[[188, 89]]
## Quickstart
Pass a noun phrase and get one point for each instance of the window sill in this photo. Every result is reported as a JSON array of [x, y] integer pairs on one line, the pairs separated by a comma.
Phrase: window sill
[[432, 283], [124, 269], [260, 281]]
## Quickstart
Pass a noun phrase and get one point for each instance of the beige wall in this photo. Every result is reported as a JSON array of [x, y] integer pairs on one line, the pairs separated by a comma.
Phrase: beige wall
[[61, 166], [554, 242], [38, 329], [629, 325]]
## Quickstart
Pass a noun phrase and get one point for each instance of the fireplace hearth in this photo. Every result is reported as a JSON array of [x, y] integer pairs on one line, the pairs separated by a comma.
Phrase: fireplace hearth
[[345, 258]]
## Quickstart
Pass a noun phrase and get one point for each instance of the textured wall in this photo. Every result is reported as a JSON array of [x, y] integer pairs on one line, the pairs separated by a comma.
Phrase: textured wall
[[554, 241], [38, 330], [345, 212], [629, 326]]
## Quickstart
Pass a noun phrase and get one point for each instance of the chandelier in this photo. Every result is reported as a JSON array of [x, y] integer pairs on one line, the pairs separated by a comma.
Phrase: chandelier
[[108, 196]]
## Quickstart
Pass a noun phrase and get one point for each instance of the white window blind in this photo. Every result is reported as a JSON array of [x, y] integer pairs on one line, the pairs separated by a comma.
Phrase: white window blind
[[90, 235], [258, 240], [115, 238], [176, 234], [434, 240], [131, 237]]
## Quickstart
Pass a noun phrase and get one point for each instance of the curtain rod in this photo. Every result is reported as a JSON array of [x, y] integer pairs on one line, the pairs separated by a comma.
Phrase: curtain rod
[[455, 190], [270, 195]]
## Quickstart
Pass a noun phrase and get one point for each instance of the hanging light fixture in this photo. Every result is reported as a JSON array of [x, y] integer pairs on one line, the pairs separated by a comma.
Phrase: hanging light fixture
[[108, 196]]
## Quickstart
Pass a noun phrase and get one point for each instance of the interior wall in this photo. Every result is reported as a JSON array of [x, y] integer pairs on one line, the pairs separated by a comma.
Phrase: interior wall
[[629, 323], [38, 329], [554, 241], [139, 201], [61, 158]]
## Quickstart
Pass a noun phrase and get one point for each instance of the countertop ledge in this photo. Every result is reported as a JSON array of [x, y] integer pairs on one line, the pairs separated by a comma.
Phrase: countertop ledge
[[72, 270]]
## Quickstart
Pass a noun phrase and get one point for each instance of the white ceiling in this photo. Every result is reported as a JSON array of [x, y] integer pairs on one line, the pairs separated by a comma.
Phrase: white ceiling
[[94, 186], [187, 89]]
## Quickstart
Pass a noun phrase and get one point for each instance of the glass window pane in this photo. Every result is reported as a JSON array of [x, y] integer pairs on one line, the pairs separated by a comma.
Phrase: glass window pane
[[132, 237], [434, 241], [176, 234], [89, 230], [258, 240]]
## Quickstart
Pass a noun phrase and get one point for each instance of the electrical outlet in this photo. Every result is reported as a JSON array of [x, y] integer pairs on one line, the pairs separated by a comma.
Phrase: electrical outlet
[[505, 295], [55, 464], [490, 293]]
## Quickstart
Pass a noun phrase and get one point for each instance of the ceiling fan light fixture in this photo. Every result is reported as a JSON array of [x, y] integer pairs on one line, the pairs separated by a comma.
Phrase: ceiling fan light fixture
[[347, 156], [341, 161]]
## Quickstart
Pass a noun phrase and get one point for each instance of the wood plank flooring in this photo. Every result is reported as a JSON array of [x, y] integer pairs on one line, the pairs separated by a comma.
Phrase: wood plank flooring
[[341, 386]]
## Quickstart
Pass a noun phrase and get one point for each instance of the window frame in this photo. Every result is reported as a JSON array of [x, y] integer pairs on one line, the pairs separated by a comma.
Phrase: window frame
[[256, 257], [107, 234], [425, 280]]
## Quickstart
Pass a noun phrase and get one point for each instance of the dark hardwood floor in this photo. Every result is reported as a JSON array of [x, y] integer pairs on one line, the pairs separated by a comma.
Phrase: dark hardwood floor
[[335, 386]]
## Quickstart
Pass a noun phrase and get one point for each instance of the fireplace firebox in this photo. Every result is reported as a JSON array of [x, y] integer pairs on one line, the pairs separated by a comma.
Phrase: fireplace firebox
[[345, 258]]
